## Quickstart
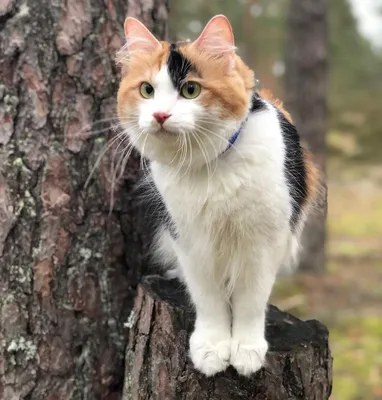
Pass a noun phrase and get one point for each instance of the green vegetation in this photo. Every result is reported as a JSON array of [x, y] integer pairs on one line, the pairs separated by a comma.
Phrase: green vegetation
[[357, 347], [355, 84], [348, 298]]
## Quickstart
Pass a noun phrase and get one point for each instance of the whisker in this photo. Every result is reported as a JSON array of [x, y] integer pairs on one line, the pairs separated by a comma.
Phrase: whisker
[[215, 151], [177, 152], [103, 152], [117, 170], [85, 132], [233, 146], [114, 177], [183, 156], [190, 158], [186, 142], [203, 151]]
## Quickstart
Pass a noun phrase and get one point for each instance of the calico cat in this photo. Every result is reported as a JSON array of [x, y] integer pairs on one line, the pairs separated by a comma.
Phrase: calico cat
[[228, 164]]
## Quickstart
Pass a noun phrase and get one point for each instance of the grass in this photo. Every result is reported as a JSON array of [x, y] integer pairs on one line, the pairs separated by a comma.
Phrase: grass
[[348, 298], [357, 349], [355, 210]]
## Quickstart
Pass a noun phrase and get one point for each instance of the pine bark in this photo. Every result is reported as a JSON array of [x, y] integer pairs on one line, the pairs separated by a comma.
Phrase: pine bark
[[298, 366], [306, 99], [68, 269]]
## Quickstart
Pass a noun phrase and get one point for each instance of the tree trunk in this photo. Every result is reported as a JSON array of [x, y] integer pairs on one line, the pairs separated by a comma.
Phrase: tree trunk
[[68, 268], [306, 99], [299, 364]]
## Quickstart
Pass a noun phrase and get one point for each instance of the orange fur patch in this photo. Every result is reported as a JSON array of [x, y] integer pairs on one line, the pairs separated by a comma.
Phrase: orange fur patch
[[312, 172], [312, 175], [267, 94], [229, 90], [137, 68]]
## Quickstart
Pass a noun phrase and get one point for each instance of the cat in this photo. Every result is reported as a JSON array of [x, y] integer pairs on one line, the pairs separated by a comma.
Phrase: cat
[[227, 162]]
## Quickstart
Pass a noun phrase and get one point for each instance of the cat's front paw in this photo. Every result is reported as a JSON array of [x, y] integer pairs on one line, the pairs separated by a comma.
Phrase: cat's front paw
[[248, 357], [210, 351]]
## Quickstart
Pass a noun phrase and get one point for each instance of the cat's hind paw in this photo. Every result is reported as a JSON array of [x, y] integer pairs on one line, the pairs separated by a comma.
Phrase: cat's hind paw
[[209, 353], [174, 273], [248, 358]]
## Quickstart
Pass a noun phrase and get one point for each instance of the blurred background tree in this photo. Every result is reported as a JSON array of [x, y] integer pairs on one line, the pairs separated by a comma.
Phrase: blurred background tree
[[306, 59]]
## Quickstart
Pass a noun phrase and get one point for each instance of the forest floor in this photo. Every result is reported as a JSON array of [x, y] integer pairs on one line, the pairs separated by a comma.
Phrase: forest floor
[[348, 299]]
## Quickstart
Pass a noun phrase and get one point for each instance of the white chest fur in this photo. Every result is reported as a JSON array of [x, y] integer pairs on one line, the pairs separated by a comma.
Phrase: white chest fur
[[242, 202]]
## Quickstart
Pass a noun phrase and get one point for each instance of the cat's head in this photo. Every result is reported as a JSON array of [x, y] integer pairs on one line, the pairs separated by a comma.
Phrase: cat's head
[[180, 103]]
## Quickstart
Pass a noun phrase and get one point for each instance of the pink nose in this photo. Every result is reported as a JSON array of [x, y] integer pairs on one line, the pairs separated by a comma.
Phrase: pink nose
[[161, 116]]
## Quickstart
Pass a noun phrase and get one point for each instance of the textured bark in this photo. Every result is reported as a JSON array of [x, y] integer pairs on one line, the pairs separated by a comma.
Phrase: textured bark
[[299, 364], [68, 268], [306, 99]]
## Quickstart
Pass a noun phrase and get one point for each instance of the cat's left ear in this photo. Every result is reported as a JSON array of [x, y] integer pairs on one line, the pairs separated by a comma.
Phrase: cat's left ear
[[138, 37], [217, 38]]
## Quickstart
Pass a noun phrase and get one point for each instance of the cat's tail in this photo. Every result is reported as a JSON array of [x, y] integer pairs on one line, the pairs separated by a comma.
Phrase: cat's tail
[[316, 203], [291, 258]]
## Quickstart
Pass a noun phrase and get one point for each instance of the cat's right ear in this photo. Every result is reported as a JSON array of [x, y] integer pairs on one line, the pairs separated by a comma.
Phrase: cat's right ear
[[138, 37]]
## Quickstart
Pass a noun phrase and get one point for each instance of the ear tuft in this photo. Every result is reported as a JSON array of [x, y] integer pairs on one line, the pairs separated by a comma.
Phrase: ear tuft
[[138, 37], [217, 39], [217, 36]]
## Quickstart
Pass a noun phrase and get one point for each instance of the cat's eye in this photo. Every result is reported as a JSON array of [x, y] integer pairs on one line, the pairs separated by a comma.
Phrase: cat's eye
[[190, 90], [147, 91]]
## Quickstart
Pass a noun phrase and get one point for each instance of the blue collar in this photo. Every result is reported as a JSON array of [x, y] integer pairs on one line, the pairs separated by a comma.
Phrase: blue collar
[[234, 137]]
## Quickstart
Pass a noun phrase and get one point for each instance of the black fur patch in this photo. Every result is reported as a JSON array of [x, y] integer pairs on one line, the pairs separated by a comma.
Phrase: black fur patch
[[294, 167], [294, 159], [257, 103], [178, 66], [156, 214]]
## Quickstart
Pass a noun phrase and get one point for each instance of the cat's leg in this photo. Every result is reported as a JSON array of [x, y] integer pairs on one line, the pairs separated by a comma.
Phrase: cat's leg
[[249, 302], [164, 253], [210, 343]]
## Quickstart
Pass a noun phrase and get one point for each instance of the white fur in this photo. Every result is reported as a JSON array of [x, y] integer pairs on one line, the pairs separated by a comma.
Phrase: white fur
[[231, 213]]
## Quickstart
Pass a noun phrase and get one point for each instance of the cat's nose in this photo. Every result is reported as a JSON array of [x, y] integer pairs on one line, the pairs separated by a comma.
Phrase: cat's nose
[[161, 116]]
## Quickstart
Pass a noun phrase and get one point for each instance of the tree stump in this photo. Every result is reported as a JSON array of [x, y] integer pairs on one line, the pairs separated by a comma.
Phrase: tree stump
[[299, 364]]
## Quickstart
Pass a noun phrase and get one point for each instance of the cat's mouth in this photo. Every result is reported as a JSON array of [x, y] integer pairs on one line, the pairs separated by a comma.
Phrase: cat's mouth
[[165, 132]]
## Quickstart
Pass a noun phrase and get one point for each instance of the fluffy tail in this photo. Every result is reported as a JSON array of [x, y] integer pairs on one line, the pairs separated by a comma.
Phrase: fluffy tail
[[291, 258]]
